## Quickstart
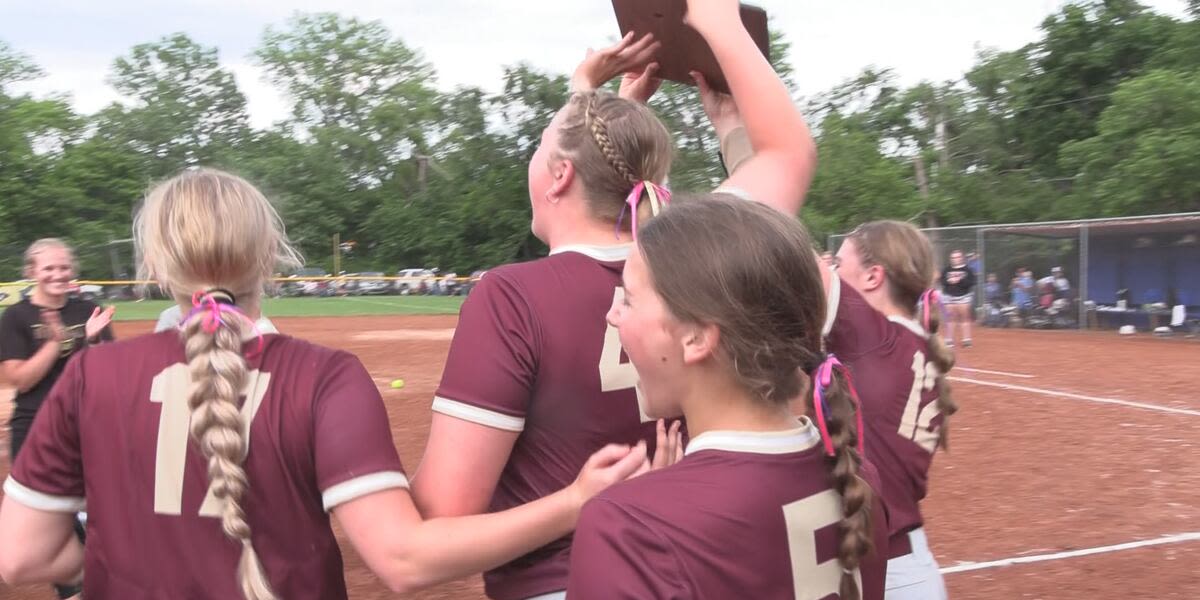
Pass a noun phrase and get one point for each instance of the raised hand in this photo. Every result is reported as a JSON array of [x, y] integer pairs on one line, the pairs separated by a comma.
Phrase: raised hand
[[53, 323], [640, 86], [669, 448], [98, 321], [720, 107], [611, 464], [600, 66]]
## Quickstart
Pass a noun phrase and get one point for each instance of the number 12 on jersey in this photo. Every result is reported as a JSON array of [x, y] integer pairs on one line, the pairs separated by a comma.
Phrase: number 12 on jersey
[[916, 422]]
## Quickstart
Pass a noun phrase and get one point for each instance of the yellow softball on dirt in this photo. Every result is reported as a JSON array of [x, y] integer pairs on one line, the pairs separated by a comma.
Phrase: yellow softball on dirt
[[397, 384]]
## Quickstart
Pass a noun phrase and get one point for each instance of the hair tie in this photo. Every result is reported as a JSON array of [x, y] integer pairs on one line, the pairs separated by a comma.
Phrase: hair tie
[[221, 296], [210, 306], [822, 379], [929, 298], [659, 198]]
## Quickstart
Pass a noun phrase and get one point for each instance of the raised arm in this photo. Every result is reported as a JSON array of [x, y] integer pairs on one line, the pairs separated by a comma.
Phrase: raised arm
[[781, 168]]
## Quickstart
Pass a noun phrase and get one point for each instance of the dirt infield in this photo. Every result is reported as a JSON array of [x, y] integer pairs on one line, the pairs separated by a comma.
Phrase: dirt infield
[[1066, 442]]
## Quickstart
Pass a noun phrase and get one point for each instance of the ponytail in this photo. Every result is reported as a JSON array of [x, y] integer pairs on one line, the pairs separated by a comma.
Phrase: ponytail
[[212, 335], [943, 358], [836, 406]]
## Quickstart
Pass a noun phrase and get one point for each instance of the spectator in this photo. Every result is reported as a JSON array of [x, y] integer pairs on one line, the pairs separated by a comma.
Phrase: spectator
[[1062, 286], [38, 336], [958, 289], [1020, 293], [973, 263], [1046, 299], [1028, 283], [993, 293]]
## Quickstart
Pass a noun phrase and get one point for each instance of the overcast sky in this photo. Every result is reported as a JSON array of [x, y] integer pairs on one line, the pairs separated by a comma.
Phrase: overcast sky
[[470, 41]]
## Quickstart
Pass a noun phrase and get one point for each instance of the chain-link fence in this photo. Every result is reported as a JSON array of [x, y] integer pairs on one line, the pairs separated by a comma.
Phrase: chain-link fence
[[1095, 273]]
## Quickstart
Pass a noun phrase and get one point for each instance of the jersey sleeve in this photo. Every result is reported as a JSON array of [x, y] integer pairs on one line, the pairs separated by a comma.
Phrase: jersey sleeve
[[48, 474], [16, 337], [615, 556], [352, 438], [492, 366], [852, 326]]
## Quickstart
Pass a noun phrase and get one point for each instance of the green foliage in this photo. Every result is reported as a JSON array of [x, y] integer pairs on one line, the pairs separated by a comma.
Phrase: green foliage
[[1098, 117]]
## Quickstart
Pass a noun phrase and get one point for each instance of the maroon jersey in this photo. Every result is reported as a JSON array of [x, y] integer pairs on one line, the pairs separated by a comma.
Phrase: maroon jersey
[[533, 353], [743, 515], [889, 357], [114, 433]]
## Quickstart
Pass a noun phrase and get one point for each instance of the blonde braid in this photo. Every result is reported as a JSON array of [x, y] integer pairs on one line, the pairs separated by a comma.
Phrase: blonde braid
[[219, 373], [599, 128]]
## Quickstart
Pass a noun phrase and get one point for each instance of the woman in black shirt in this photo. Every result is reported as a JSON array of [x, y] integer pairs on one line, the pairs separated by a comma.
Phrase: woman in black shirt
[[39, 334], [958, 285]]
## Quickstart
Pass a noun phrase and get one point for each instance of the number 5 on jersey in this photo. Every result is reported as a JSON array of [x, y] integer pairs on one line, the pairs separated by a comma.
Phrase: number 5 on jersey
[[812, 578], [614, 374]]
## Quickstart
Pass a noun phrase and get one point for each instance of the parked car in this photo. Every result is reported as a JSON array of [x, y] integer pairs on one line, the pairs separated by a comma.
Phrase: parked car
[[87, 292], [372, 286], [307, 287], [415, 281]]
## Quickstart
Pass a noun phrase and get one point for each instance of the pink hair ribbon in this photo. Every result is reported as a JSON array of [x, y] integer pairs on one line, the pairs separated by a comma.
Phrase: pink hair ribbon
[[928, 299], [211, 306], [659, 197], [822, 379]]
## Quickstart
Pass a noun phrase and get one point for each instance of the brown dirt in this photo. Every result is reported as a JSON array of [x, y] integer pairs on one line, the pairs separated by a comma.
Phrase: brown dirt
[[1028, 473]]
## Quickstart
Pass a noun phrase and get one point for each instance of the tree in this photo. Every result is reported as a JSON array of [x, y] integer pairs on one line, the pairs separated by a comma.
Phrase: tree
[[1086, 50], [1143, 158], [186, 110], [855, 181], [33, 135]]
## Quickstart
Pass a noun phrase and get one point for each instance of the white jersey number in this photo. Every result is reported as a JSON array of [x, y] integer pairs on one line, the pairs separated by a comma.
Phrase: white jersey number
[[812, 579], [915, 423], [170, 388], [614, 374]]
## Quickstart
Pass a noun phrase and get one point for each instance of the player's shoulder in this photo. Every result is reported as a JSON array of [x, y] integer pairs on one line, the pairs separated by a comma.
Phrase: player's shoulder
[[297, 351], [605, 258], [165, 345], [909, 332], [662, 488], [571, 272]]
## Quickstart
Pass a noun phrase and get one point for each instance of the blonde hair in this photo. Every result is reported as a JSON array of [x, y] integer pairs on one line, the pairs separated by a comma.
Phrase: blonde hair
[[906, 256], [614, 144], [41, 245], [202, 230]]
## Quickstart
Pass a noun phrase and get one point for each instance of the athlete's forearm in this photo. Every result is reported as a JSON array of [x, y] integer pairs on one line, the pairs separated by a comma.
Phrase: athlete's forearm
[[445, 549], [37, 546], [772, 122]]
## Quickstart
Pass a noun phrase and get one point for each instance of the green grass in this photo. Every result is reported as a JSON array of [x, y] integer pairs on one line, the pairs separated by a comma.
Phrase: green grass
[[316, 307]]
